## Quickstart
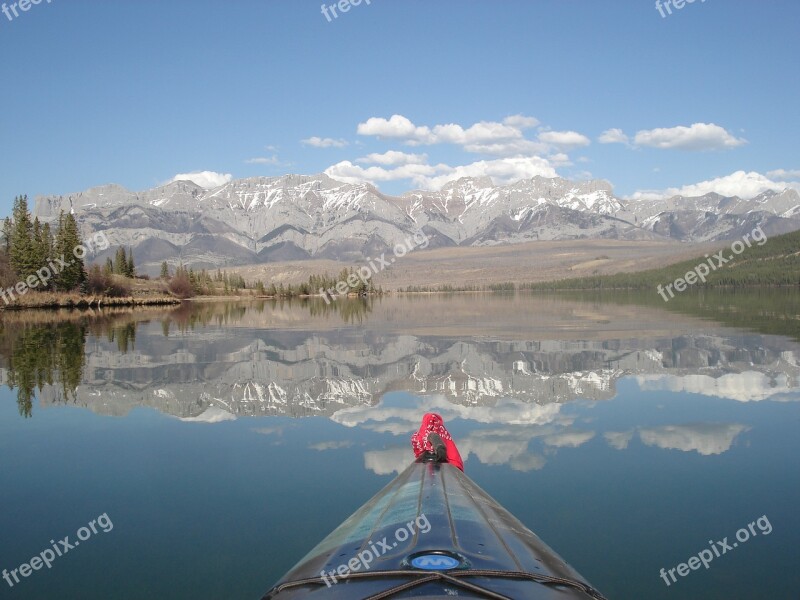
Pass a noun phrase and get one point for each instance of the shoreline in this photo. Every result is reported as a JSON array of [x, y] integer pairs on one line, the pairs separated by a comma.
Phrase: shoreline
[[80, 302]]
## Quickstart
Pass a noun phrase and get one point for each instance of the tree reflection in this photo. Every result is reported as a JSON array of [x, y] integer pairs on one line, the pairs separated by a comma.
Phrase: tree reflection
[[39, 349], [39, 355]]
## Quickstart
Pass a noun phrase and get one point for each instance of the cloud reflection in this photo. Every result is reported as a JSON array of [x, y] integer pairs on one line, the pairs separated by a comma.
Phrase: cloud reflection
[[749, 386], [704, 438]]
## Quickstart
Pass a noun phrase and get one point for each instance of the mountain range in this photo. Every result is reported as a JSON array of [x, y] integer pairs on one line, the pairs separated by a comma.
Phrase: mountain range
[[295, 217]]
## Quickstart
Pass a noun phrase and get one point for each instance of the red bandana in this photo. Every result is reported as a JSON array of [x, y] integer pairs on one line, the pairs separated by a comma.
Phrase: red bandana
[[433, 423]]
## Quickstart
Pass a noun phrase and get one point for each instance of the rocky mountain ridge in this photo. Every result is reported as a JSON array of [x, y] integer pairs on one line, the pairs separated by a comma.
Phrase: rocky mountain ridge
[[292, 217]]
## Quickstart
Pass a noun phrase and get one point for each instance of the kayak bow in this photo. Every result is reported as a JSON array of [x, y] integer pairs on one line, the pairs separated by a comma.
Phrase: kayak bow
[[457, 541]]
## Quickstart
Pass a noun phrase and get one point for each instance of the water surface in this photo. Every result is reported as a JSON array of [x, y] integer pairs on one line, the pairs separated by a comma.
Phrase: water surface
[[224, 440]]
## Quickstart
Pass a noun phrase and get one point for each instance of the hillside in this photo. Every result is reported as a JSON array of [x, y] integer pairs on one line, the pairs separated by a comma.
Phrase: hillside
[[775, 263]]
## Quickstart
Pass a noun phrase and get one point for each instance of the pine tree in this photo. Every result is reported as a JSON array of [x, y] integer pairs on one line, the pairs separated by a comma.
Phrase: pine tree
[[164, 270], [47, 241], [7, 232], [120, 261], [38, 249], [21, 244], [68, 239], [130, 267]]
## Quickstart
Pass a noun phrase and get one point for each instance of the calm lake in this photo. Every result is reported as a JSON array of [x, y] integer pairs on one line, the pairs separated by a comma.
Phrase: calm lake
[[219, 442]]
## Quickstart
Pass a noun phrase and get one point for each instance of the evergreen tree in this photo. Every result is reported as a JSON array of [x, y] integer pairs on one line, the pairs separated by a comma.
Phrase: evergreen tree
[[130, 267], [47, 242], [164, 270], [7, 231], [38, 247], [21, 242], [120, 262], [68, 239]]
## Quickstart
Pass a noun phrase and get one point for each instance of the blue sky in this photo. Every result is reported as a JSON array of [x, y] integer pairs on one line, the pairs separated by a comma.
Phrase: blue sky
[[404, 93]]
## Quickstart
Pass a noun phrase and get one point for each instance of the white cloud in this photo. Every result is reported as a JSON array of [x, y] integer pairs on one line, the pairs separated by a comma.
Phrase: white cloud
[[205, 179], [432, 177], [518, 147], [743, 184], [479, 133], [560, 160], [397, 126], [263, 160], [699, 136], [746, 185], [350, 173], [393, 157], [613, 136], [784, 175], [517, 157], [474, 138], [565, 140], [318, 142], [502, 171], [521, 121], [649, 195]]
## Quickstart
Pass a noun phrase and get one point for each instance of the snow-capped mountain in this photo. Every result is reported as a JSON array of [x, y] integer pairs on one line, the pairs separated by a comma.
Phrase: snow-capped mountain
[[267, 219]]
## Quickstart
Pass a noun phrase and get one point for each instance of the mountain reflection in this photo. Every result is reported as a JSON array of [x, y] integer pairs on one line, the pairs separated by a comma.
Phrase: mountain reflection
[[216, 362]]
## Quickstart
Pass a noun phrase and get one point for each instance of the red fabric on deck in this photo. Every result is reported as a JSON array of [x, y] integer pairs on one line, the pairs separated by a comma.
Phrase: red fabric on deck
[[433, 423]]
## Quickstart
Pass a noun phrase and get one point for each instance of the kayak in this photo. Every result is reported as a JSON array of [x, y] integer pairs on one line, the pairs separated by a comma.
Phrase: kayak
[[432, 533]]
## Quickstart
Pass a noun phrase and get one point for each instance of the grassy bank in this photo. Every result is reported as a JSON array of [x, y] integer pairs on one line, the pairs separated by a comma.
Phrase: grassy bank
[[40, 300], [775, 263]]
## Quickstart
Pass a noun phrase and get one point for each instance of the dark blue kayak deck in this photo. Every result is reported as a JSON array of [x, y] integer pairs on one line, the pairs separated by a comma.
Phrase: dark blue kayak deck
[[432, 532]]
